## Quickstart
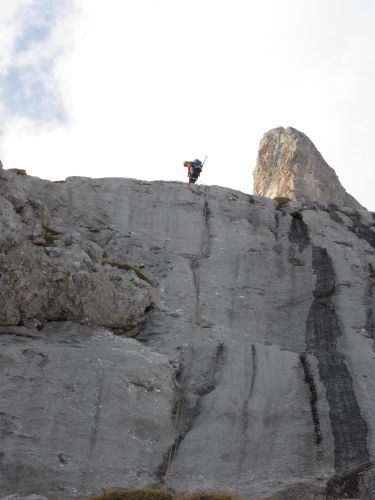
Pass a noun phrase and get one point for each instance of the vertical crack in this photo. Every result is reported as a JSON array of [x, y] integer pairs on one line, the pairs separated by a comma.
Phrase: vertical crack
[[249, 395], [370, 320], [206, 231], [189, 402], [94, 428], [93, 432], [245, 414], [192, 387], [309, 379], [322, 333], [197, 314], [299, 233], [254, 370], [195, 262], [277, 224]]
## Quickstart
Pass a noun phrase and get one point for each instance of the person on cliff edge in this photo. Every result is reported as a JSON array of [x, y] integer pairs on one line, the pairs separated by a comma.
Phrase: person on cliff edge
[[194, 169]]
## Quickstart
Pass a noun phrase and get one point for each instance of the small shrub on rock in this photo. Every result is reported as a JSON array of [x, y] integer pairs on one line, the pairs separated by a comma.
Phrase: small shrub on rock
[[127, 267], [282, 200], [134, 494], [210, 495]]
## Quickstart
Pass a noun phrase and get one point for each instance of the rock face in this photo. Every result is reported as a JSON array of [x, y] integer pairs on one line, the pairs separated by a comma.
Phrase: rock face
[[251, 366], [58, 273], [289, 165]]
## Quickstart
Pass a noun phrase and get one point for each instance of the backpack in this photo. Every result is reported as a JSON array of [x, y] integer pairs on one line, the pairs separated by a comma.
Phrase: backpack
[[197, 165]]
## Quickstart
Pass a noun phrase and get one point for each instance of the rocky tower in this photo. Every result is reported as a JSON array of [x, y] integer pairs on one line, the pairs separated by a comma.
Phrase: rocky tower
[[289, 165]]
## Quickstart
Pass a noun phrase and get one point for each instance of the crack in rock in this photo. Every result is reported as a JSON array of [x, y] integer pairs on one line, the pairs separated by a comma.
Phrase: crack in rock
[[194, 386], [322, 333], [299, 234], [309, 379]]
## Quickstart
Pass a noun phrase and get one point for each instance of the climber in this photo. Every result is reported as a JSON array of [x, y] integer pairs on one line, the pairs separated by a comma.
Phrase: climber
[[194, 169]]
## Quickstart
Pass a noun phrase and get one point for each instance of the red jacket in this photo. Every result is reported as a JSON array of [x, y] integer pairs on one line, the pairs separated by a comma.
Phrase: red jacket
[[190, 167]]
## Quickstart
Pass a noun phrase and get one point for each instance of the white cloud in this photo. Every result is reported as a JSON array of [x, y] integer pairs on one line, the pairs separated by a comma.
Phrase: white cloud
[[148, 83], [10, 27]]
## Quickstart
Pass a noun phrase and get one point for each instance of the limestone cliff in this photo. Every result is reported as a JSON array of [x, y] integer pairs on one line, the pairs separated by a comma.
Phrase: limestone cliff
[[289, 165], [251, 363]]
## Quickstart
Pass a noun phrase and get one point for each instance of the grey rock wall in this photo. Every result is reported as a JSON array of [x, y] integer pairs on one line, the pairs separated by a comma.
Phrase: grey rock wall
[[251, 366], [53, 270]]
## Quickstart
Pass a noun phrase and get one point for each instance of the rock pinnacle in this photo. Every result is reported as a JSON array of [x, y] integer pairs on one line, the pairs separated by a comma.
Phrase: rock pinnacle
[[289, 165]]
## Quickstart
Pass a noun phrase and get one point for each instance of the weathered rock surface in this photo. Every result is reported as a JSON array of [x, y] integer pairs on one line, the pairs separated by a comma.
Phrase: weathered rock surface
[[58, 273], [254, 372], [79, 408], [289, 165]]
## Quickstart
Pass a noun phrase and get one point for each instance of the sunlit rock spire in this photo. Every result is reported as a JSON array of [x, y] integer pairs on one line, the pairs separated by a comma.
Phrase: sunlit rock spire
[[289, 165]]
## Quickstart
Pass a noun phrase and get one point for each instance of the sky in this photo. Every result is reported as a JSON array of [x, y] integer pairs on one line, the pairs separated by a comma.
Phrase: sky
[[132, 88]]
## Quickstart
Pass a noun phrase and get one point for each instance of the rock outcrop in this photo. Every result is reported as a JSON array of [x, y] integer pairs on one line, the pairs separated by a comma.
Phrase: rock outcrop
[[51, 270], [251, 366], [289, 165]]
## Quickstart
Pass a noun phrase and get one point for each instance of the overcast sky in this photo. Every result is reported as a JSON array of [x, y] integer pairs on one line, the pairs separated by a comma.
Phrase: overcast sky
[[131, 88]]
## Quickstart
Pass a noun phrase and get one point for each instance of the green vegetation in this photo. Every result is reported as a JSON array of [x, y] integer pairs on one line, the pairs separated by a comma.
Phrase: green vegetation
[[50, 239], [18, 171], [39, 243], [49, 230], [296, 262], [160, 494], [127, 267], [210, 495], [282, 200], [134, 494]]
